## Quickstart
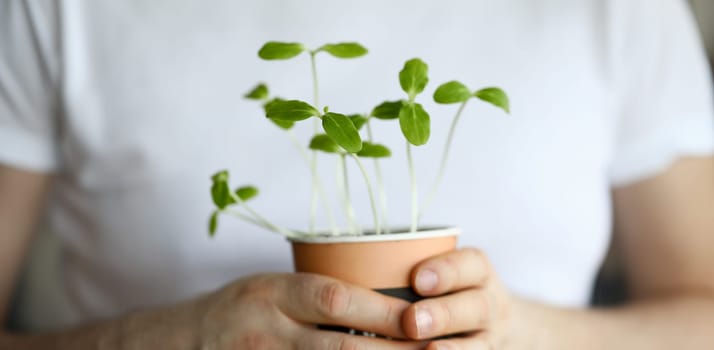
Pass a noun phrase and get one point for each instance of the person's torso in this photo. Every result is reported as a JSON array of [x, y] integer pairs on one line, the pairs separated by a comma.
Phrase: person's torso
[[152, 95]]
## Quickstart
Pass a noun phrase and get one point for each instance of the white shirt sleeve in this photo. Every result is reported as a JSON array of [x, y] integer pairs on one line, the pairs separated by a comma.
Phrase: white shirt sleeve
[[666, 99], [29, 84]]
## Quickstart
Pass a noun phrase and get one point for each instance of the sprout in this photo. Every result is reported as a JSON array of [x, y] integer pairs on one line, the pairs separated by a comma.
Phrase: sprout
[[455, 92], [338, 135]]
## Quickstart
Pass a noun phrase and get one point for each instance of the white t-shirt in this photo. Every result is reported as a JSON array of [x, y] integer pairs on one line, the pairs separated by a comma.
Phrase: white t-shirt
[[134, 104]]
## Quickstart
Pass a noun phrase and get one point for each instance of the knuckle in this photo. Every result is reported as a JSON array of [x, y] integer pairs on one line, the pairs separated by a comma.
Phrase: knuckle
[[501, 305], [390, 314], [256, 295], [476, 255], [446, 318], [254, 288], [455, 275], [483, 307], [334, 300], [480, 261], [254, 340]]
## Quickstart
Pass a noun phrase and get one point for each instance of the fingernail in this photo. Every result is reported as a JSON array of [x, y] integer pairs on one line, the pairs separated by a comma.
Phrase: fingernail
[[423, 322], [426, 280]]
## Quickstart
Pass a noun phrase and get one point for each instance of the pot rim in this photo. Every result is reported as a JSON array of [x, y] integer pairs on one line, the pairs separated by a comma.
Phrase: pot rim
[[399, 234]]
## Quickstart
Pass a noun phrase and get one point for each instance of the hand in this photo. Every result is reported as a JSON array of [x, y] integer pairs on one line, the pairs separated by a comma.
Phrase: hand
[[280, 312], [467, 299]]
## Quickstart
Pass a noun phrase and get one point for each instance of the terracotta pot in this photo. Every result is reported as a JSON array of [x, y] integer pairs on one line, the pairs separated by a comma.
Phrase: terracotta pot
[[381, 262]]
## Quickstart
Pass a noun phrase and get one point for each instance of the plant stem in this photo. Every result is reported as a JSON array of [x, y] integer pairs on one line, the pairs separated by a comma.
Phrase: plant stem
[[271, 228], [346, 200], [313, 162], [313, 194], [373, 204], [321, 191], [340, 183], [444, 159], [415, 194], [317, 186], [412, 176], [317, 182], [265, 221], [299, 147], [315, 95], [260, 221], [247, 218], [380, 183]]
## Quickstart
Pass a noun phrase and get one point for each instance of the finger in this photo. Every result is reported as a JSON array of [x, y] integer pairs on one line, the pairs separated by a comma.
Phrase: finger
[[478, 341], [313, 339], [322, 300], [465, 311], [452, 271]]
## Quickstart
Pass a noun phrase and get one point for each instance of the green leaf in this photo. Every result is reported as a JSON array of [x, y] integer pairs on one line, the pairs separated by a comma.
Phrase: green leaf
[[342, 131], [220, 176], [358, 120], [246, 193], [322, 142], [272, 101], [283, 124], [292, 110], [413, 77], [213, 223], [274, 50], [494, 96], [452, 92], [388, 110], [414, 122], [220, 192], [344, 50], [374, 150], [259, 92]]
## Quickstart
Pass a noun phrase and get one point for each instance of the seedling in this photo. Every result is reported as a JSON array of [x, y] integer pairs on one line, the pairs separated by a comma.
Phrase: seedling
[[340, 135], [455, 92]]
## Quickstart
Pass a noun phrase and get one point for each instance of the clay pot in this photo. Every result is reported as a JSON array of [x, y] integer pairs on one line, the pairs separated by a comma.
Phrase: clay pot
[[381, 262]]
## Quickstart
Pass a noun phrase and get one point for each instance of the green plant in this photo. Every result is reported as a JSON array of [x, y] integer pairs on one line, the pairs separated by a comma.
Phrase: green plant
[[339, 135]]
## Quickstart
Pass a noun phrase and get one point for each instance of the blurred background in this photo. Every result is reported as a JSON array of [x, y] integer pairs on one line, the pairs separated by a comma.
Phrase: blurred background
[[610, 288], [704, 11]]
